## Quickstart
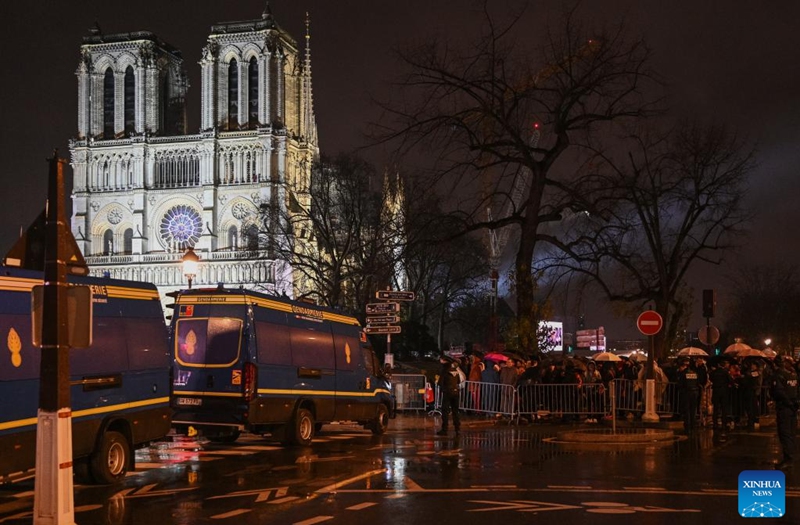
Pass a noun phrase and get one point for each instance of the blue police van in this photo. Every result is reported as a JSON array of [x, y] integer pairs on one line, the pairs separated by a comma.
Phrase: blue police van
[[119, 386], [247, 361]]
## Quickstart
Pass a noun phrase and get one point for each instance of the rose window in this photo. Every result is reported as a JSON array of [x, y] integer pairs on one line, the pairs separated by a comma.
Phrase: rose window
[[181, 228]]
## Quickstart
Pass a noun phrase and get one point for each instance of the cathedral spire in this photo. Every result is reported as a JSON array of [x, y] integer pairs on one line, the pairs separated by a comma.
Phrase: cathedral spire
[[309, 121]]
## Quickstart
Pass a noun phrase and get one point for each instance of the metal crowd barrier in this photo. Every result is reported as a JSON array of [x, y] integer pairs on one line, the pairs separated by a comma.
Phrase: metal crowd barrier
[[488, 398], [543, 399], [409, 391], [630, 397]]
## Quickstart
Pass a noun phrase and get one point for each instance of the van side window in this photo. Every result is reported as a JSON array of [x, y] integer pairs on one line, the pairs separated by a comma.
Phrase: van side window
[[147, 346], [312, 345], [369, 360], [347, 350], [107, 354], [208, 342], [274, 346]]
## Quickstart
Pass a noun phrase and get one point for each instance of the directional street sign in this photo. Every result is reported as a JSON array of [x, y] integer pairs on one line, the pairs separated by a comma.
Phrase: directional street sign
[[383, 308], [649, 322], [395, 295], [382, 329], [383, 319]]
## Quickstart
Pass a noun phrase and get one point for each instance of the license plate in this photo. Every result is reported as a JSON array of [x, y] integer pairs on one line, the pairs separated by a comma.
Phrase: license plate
[[190, 401]]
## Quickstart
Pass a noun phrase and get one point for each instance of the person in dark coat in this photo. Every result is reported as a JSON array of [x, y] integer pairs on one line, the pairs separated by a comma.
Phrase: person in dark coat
[[721, 384], [448, 382], [689, 390], [786, 393]]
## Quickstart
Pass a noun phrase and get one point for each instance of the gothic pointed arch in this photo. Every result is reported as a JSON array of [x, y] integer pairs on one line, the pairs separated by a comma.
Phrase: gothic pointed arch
[[127, 241], [233, 95], [108, 242], [108, 104], [252, 93], [130, 101]]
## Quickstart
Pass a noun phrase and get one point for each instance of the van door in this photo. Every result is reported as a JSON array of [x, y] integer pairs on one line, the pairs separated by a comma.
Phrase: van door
[[351, 376], [209, 357]]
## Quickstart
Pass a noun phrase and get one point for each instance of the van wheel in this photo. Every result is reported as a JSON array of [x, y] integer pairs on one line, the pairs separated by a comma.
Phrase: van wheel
[[109, 462], [302, 430], [381, 421]]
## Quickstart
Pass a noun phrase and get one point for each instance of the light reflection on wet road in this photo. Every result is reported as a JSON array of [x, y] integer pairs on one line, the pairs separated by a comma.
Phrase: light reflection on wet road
[[489, 474]]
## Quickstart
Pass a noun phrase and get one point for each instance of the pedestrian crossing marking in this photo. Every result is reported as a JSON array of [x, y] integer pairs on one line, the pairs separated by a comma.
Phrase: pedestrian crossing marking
[[362, 506], [230, 514]]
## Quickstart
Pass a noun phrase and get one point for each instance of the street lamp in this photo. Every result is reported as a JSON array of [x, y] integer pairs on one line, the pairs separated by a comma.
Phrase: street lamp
[[767, 342], [190, 260]]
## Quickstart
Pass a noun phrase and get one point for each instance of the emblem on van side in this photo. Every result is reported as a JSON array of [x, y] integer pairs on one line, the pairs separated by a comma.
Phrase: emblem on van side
[[191, 342], [347, 351], [236, 377], [15, 346]]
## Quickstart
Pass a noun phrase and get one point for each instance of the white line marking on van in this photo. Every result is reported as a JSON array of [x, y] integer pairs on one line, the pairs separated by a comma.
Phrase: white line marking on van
[[361, 506], [230, 514], [312, 521], [336, 486]]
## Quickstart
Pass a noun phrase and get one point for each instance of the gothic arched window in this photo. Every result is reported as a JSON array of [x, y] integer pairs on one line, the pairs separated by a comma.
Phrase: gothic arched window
[[108, 243], [251, 237], [233, 238], [127, 241], [108, 104], [130, 101], [252, 99], [233, 95]]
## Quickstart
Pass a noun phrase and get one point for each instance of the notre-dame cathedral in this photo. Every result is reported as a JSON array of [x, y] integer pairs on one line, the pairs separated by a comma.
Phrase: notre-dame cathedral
[[145, 191]]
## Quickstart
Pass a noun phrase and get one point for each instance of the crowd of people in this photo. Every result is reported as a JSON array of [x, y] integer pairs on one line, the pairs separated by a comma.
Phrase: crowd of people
[[723, 391]]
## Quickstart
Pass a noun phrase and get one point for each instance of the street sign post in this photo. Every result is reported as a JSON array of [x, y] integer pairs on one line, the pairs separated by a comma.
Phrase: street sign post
[[383, 308], [395, 295], [649, 322], [382, 329], [708, 335], [382, 319]]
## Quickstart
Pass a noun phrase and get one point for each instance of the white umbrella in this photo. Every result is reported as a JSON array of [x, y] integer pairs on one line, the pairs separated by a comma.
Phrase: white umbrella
[[606, 356], [736, 347], [750, 352], [637, 356], [692, 350]]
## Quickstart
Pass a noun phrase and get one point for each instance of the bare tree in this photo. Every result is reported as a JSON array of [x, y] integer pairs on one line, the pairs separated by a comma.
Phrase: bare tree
[[474, 108], [673, 201], [765, 303], [339, 245]]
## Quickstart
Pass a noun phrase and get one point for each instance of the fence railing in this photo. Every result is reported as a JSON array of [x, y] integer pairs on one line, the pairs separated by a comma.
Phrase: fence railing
[[409, 391], [590, 400]]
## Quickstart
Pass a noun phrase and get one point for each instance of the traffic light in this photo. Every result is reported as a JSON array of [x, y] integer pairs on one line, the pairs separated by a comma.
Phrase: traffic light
[[709, 303]]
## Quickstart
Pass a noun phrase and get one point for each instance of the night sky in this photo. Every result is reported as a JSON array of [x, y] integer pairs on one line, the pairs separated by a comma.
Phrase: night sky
[[734, 61]]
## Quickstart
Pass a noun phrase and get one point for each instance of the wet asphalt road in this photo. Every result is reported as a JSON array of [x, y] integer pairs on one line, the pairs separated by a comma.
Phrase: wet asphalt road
[[491, 473]]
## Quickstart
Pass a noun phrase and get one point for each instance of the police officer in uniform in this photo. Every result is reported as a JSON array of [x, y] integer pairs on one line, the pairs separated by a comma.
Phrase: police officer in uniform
[[448, 382], [786, 393], [689, 388]]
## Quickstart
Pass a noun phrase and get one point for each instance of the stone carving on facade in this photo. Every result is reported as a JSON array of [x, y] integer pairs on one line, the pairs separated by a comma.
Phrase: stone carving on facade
[[241, 210], [95, 206], [131, 204], [223, 198], [152, 200], [114, 216], [256, 197]]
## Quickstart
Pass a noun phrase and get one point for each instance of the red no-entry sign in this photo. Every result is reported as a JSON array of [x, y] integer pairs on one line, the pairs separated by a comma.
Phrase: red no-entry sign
[[649, 322]]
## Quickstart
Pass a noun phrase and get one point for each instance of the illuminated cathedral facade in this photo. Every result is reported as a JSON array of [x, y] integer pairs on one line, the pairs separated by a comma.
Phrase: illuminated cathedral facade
[[145, 191]]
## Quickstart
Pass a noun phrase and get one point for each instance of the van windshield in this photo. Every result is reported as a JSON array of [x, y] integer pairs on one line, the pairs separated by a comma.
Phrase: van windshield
[[214, 341]]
